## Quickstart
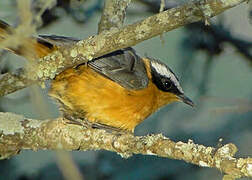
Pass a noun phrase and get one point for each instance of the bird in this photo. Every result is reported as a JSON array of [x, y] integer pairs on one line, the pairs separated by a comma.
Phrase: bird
[[116, 91]]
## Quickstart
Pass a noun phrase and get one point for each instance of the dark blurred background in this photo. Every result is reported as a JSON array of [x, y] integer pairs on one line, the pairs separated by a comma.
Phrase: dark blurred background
[[213, 63]]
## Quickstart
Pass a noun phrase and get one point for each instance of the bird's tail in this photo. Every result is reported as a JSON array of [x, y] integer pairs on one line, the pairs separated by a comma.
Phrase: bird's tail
[[5, 29], [21, 45]]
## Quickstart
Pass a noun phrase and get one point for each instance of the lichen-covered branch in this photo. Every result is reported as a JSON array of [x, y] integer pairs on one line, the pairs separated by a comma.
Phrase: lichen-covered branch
[[113, 14], [109, 41], [130, 35], [11, 82], [18, 133]]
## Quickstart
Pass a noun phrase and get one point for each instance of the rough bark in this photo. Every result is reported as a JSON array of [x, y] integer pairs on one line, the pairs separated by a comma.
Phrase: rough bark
[[18, 133], [130, 35], [113, 14]]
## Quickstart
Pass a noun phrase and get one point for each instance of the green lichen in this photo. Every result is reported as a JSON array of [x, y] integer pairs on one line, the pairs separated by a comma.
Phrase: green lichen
[[231, 2], [11, 124], [34, 123]]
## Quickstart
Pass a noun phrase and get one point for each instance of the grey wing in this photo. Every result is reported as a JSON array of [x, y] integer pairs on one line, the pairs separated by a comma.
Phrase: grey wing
[[59, 40], [124, 67]]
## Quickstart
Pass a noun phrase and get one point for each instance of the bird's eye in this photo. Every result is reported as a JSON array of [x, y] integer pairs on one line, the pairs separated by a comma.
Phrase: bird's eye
[[167, 84]]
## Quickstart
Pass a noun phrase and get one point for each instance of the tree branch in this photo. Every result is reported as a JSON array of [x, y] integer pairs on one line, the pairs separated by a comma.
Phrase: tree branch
[[109, 41], [113, 14], [11, 82], [18, 133]]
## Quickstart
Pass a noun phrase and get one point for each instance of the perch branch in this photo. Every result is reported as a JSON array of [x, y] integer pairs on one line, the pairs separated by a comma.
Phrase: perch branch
[[11, 82], [109, 41], [113, 14], [18, 133]]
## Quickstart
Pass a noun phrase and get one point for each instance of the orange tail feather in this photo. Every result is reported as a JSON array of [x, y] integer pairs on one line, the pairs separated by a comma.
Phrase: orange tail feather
[[35, 47]]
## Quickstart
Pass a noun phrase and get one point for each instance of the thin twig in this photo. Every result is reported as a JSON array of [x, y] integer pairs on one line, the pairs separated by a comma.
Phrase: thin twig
[[161, 9]]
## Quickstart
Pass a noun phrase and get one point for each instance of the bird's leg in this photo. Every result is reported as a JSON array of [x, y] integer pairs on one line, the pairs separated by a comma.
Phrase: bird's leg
[[78, 118], [71, 119], [109, 129]]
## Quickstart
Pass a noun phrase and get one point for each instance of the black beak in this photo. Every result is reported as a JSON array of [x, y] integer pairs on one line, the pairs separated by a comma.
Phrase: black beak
[[186, 100]]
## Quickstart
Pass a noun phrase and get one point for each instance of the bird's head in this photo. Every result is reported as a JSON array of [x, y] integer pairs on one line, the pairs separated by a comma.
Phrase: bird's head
[[167, 84]]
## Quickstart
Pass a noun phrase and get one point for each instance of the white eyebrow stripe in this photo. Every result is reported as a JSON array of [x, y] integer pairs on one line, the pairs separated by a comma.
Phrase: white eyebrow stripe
[[164, 71]]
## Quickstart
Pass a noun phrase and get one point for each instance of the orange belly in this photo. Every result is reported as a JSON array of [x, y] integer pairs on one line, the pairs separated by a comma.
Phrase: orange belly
[[101, 100]]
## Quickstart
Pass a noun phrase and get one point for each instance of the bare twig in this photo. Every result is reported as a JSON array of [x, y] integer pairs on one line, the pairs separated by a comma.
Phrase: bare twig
[[217, 35], [113, 14], [18, 133], [67, 166], [162, 6], [161, 9]]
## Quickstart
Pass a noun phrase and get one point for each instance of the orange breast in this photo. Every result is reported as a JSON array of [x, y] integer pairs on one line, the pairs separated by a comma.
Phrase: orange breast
[[104, 101]]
